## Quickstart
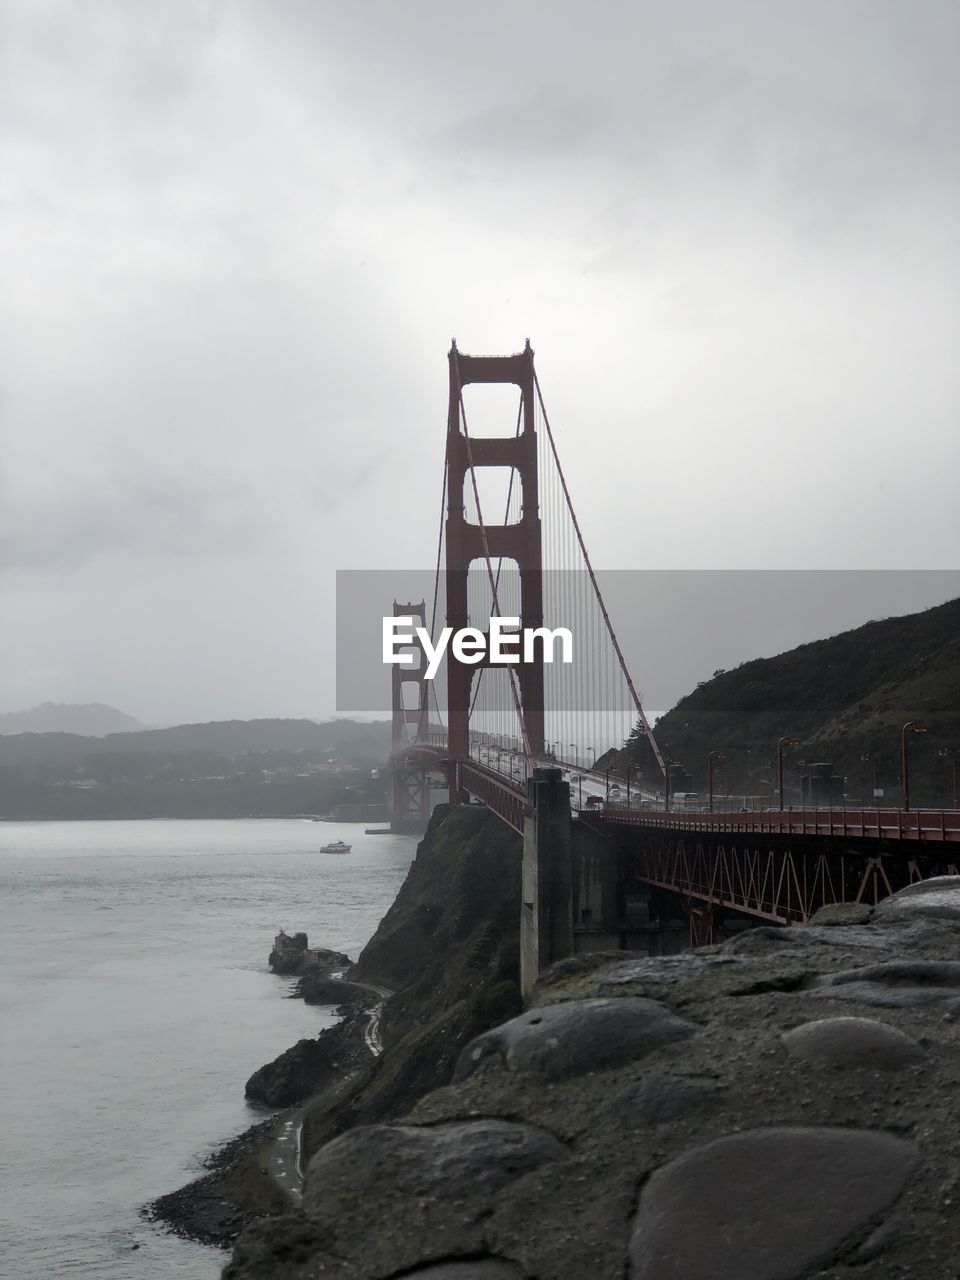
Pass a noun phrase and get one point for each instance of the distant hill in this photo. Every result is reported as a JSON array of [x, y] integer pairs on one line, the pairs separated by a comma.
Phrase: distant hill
[[229, 739], [843, 697], [92, 720], [230, 768]]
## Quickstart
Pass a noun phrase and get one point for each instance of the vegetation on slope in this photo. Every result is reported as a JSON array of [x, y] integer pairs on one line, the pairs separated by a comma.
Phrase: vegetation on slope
[[843, 698]]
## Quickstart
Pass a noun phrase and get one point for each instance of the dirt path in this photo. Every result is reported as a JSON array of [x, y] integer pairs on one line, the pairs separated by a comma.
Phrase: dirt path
[[284, 1159], [371, 1032]]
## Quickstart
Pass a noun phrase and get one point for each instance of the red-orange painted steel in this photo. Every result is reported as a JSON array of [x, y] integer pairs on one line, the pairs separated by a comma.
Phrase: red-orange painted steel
[[467, 542], [927, 825], [780, 866]]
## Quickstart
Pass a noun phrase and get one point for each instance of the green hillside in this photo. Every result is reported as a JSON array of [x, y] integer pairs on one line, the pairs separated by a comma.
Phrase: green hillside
[[842, 697]]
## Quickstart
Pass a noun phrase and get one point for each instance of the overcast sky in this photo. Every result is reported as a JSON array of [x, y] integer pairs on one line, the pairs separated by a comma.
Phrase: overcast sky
[[237, 238]]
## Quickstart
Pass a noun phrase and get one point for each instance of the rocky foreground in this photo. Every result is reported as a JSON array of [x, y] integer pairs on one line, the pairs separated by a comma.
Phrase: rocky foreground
[[783, 1105]]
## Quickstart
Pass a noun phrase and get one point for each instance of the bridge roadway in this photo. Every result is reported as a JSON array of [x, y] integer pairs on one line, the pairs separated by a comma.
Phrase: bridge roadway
[[506, 775], [780, 866]]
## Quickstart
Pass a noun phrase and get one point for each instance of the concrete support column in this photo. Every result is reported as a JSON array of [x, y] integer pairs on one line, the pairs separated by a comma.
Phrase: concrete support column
[[546, 912], [597, 922]]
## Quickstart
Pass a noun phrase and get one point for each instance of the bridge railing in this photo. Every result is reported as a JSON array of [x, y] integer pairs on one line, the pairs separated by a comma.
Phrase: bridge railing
[[929, 825], [505, 797]]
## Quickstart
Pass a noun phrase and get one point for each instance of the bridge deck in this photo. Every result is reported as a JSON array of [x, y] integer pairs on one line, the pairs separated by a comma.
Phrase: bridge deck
[[728, 860], [926, 825], [507, 795]]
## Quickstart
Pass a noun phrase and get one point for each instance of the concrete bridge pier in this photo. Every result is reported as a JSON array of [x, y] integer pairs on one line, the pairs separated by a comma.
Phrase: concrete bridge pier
[[546, 911]]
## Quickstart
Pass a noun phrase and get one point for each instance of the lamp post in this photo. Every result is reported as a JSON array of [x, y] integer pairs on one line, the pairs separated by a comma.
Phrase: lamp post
[[593, 762], [578, 779], [671, 764], [869, 757], [633, 764], [606, 776], [713, 756], [912, 726], [781, 743], [576, 754], [950, 753]]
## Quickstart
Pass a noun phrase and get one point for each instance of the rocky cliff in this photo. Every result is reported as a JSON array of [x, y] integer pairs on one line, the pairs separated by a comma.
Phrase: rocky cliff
[[448, 950], [784, 1105]]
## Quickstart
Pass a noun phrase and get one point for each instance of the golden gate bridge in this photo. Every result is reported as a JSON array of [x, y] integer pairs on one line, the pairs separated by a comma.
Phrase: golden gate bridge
[[528, 739]]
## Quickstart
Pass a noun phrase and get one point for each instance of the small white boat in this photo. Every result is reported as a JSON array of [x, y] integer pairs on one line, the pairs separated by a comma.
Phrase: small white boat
[[337, 847]]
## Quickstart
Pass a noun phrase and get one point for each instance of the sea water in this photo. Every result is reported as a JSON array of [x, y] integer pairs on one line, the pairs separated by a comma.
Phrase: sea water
[[135, 1000]]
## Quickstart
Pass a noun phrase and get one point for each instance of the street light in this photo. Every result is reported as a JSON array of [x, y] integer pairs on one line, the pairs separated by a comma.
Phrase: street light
[[576, 754], [671, 764], [950, 753], [606, 775], [781, 743], [714, 755], [593, 762], [868, 757], [633, 764], [912, 726]]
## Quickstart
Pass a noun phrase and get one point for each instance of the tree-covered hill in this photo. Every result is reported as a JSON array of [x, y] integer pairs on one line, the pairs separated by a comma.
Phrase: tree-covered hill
[[842, 697], [223, 769], [230, 738]]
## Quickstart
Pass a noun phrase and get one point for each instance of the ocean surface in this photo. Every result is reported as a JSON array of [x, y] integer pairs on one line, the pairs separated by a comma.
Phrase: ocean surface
[[135, 1001]]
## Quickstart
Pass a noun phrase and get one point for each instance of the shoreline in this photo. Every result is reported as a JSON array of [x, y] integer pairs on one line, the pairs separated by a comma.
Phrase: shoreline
[[440, 968], [203, 1209], [259, 1172]]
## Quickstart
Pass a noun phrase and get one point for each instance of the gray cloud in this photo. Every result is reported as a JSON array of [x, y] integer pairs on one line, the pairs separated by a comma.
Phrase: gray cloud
[[236, 239], [129, 512]]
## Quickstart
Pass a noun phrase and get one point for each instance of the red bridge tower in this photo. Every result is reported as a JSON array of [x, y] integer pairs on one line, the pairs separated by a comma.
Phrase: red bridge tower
[[467, 542]]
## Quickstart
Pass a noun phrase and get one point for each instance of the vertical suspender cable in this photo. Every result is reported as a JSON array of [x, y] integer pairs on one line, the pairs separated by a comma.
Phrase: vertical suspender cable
[[593, 580]]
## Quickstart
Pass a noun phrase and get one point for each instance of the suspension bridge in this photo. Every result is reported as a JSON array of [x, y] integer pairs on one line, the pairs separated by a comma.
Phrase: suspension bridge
[[530, 739]]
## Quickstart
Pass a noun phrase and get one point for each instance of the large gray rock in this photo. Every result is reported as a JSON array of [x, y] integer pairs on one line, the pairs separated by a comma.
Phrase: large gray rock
[[475, 1269], [665, 970], [660, 1098], [812, 937], [562, 1040], [317, 987], [294, 1075], [467, 1161], [895, 984], [763, 939], [853, 1042], [936, 899], [842, 913], [768, 1204]]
